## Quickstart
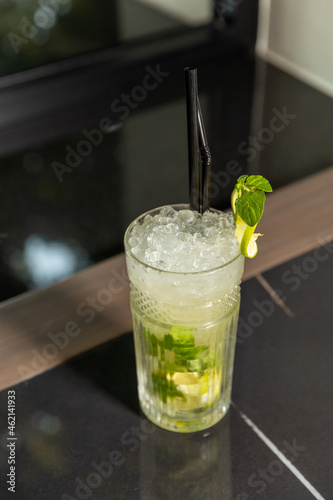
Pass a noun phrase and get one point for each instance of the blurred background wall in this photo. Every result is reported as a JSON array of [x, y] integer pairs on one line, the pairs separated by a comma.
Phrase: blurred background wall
[[297, 37]]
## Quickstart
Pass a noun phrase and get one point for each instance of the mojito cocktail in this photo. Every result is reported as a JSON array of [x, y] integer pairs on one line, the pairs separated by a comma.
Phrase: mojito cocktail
[[185, 269]]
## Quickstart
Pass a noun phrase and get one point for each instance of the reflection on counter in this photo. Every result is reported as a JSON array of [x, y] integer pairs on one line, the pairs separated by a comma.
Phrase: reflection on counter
[[196, 465]]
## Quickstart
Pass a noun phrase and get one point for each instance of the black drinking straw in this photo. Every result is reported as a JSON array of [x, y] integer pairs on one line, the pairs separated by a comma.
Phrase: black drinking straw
[[192, 138], [199, 172], [206, 163]]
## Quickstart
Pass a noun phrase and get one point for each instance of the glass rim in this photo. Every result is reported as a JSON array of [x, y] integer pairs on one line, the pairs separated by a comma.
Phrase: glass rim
[[149, 266]]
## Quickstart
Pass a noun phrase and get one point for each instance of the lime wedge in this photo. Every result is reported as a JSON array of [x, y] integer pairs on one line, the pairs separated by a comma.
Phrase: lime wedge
[[247, 202], [247, 238], [245, 234]]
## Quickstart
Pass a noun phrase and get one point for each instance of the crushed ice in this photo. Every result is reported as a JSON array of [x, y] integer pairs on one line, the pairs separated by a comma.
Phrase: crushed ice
[[185, 241]]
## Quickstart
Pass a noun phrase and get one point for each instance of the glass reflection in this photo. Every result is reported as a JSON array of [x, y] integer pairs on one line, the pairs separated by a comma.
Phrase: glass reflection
[[196, 465]]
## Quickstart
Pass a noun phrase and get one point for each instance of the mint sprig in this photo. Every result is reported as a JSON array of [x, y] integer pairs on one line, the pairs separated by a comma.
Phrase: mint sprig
[[250, 198], [166, 389], [187, 357]]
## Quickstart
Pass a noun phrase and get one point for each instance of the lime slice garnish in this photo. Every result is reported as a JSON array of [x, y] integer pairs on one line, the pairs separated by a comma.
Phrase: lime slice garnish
[[247, 238], [247, 201]]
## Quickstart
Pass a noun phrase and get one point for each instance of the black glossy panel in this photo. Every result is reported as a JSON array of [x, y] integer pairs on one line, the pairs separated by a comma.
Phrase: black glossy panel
[[284, 373], [67, 200]]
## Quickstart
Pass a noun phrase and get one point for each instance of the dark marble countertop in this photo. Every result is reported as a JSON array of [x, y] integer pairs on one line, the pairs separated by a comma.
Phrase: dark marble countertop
[[80, 433]]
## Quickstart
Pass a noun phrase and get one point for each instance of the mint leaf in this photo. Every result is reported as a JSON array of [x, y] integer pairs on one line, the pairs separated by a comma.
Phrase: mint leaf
[[179, 336], [197, 365], [150, 341], [168, 342], [173, 341], [153, 345], [190, 353], [257, 181], [242, 179], [166, 388], [179, 365], [250, 206], [248, 198], [186, 357]]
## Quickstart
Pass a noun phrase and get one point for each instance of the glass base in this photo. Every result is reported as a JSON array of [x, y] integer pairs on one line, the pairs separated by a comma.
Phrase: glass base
[[184, 423]]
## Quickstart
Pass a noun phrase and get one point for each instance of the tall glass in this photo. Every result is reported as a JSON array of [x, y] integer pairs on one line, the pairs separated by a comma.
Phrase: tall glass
[[185, 327]]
